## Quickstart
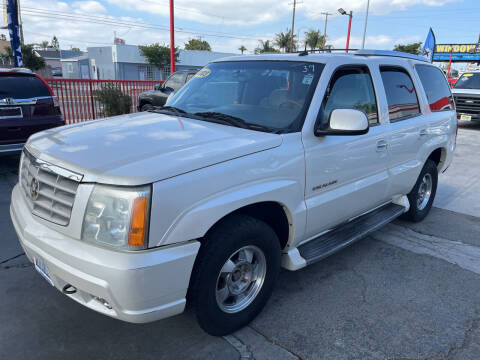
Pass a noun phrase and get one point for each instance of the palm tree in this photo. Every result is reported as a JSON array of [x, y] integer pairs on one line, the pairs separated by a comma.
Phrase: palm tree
[[265, 47], [44, 45], [242, 48], [313, 39], [284, 40]]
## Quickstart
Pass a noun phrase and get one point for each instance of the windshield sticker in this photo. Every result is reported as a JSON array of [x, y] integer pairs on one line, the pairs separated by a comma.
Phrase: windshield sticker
[[467, 75], [307, 79], [203, 73]]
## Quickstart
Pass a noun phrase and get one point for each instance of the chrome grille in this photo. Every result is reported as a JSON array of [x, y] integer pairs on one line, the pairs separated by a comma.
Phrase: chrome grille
[[50, 191], [467, 104]]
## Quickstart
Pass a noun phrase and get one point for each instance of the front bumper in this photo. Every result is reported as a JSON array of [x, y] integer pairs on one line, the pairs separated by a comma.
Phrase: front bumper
[[139, 287]]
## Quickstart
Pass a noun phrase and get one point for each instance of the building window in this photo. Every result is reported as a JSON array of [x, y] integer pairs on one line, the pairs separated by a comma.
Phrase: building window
[[70, 67]]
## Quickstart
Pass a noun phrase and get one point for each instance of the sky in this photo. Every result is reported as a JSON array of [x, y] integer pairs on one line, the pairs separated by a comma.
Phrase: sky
[[228, 24]]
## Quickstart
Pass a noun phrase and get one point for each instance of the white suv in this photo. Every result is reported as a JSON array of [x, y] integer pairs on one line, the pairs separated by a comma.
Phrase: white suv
[[259, 162]]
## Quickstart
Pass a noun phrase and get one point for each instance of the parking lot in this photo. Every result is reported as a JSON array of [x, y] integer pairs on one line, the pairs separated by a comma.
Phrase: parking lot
[[409, 291]]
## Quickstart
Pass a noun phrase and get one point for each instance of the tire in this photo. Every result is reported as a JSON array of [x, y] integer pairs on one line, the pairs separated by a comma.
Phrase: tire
[[146, 107], [420, 205], [233, 240]]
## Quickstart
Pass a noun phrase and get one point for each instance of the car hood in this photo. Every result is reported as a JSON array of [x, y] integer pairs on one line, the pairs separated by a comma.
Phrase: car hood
[[466, 91], [145, 147]]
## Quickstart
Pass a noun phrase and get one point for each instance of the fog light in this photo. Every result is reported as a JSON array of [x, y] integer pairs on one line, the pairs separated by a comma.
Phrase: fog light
[[103, 302]]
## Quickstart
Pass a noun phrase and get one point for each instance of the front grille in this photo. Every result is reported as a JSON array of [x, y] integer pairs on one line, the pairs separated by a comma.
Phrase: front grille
[[467, 104], [49, 195]]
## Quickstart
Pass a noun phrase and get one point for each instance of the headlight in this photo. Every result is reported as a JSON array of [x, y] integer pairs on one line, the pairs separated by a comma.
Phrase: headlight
[[117, 217]]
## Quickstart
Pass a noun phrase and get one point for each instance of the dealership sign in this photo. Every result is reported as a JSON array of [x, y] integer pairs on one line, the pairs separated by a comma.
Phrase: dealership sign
[[460, 52]]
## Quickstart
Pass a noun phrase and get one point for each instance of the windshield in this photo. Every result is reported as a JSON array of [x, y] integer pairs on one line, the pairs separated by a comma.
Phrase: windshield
[[272, 94], [468, 81]]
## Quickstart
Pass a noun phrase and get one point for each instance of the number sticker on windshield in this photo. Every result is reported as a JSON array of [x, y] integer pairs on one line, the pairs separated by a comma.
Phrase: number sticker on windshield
[[203, 73]]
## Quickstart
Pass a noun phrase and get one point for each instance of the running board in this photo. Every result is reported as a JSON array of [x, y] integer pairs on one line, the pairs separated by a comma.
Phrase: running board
[[348, 233]]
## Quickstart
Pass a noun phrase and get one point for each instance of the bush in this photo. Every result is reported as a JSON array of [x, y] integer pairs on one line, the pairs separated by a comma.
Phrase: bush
[[114, 101]]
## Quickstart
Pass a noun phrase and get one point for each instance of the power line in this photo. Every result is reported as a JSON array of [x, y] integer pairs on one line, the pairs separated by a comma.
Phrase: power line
[[58, 15]]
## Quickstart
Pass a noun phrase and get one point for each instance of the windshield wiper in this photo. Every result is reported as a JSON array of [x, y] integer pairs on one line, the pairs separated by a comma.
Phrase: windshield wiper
[[231, 120], [168, 110]]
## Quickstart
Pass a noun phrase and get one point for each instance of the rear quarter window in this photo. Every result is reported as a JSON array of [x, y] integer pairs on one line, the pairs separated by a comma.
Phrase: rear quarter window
[[401, 94], [436, 88], [21, 87]]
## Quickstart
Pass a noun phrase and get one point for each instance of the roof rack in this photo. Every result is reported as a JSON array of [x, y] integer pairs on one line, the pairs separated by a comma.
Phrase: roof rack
[[390, 53]]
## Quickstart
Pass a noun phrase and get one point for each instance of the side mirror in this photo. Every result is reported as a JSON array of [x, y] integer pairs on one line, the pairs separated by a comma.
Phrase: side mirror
[[167, 89], [158, 87], [345, 122]]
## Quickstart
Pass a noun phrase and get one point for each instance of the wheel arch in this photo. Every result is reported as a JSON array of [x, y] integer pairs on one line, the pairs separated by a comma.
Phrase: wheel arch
[[438, 156], [274, 214]]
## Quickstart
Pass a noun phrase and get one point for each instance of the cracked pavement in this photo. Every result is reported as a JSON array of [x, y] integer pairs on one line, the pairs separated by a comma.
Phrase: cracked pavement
[[409, 291]]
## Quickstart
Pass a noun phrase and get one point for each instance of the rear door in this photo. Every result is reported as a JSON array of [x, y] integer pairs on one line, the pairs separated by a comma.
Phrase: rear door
[[26, 107], [407, 130]]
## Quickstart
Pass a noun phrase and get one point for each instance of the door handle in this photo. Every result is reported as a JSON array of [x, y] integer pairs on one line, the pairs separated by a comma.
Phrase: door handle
[[381, 145], [423, 132]]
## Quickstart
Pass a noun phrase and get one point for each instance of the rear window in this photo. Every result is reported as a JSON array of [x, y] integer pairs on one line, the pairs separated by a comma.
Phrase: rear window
[[21, 87], [436, 88], [401, 95]]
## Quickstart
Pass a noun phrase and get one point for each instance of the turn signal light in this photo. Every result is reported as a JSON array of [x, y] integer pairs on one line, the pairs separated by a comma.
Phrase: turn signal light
[[136, 235]]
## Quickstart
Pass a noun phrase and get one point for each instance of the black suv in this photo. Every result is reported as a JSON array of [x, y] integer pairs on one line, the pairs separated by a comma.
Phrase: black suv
[[159, 96], [27, 105]]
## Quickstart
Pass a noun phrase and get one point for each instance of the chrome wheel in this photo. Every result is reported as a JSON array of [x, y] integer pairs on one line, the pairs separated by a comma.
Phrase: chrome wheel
[[424, 191], [241, 279]]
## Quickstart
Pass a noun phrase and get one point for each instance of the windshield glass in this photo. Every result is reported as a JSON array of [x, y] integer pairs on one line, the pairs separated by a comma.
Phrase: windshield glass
[[272, 94], [468, 81]]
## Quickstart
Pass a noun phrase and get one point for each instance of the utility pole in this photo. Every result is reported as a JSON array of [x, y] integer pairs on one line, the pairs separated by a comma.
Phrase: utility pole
[[172, 40], [293, 25], [326, 13], [365, 27]]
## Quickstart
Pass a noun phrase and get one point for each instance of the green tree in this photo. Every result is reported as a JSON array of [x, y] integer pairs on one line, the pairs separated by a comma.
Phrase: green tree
[[54, 43], [157, 55], [265, 47], [242, 48], [30, 60], [197, 44], [313, 39], [413, 48], [44, 45], [284, 40], [114, 101]]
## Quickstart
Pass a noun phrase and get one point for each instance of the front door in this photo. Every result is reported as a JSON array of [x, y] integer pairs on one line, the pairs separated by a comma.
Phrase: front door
[[346, 175]]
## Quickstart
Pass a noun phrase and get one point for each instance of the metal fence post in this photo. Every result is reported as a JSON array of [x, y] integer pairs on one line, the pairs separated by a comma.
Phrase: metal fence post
[[91, 98]]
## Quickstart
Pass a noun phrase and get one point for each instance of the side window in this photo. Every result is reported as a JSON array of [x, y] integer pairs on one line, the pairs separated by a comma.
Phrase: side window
[[175, 81], [436, 87], [401, 94], [351, 88]]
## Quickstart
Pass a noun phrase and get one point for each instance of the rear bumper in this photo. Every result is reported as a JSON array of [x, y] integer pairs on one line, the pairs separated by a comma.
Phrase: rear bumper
[[11, 148], [138, 286]]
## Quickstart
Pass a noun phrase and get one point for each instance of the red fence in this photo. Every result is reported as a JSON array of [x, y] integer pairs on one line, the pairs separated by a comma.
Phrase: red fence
[[78, 102]]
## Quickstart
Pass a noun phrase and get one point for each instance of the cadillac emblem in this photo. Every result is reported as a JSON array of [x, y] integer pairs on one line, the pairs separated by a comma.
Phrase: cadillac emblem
[[34, 188]]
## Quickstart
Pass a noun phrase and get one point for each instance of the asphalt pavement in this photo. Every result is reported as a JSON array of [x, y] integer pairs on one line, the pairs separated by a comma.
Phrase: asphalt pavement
[[409, 291]]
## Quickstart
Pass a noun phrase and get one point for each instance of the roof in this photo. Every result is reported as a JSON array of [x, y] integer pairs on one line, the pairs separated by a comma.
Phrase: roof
[[76, 58], [16, 70], [323, 57], [58, 54]]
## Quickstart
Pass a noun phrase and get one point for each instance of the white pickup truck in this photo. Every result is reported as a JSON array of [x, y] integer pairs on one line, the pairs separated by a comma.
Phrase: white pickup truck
[[258, 163]]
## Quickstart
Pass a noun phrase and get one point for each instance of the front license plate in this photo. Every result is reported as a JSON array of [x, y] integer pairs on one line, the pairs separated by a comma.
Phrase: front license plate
[[466, 117], [42, 270]]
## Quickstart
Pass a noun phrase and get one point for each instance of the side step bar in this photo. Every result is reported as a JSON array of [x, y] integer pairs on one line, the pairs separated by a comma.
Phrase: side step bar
[[348, 233]]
